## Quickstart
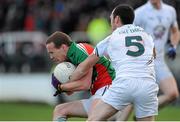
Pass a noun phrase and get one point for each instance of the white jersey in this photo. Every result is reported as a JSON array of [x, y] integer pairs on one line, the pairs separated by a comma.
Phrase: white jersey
[[130, 50], [157, 23]]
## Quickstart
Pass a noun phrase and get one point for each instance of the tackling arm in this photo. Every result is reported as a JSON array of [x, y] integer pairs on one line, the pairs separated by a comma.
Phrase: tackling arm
[[83, 84], [83, 67]]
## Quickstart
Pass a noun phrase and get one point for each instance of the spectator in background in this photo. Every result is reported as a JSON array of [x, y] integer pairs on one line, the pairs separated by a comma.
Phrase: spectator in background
[[98, 28], [30, 23]]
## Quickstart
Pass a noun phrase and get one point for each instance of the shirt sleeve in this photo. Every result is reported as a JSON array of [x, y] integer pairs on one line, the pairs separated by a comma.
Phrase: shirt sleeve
[[101, 47]]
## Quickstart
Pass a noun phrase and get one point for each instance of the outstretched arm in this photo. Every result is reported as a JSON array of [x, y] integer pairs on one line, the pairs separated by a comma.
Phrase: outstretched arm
[[84, 67]]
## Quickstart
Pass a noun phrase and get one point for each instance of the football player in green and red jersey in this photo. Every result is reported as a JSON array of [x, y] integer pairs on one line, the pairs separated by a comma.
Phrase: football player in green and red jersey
[[61, 48]]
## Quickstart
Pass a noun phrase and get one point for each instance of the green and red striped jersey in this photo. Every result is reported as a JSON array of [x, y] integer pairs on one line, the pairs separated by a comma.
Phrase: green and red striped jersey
[[103, 72]]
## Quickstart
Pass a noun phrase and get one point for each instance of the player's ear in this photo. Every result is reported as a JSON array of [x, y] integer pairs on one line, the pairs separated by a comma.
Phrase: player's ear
[[64, 47], [117, 20]]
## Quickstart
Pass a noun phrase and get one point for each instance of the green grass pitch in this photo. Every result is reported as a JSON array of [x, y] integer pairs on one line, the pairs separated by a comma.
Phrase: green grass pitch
[[42, 112]]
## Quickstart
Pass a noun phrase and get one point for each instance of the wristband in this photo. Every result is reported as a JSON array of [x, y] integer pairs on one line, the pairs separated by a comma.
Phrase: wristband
[[59, 88], [175, 46]]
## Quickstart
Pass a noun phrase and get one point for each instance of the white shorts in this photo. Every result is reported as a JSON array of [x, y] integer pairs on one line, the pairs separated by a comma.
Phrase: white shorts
[[142, 93], [162, 70], [99, 93]]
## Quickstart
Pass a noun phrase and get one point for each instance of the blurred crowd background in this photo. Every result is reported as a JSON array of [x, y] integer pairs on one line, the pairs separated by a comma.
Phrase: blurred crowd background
[[84, 20], [65, 15], [25, 25]]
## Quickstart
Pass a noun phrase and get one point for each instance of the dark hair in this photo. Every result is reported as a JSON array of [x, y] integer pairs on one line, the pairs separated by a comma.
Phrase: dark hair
[[125, 12], [59, 38]]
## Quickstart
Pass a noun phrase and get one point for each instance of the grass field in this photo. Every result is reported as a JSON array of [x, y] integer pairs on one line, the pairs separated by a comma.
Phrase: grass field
[[43, 112]]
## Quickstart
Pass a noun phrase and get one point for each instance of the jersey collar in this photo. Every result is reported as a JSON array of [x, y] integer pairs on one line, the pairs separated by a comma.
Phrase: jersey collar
[[150, 6], [69, 52]]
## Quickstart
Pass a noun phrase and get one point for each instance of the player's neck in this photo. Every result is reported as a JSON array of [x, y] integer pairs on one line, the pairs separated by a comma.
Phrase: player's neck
[[157, 5]]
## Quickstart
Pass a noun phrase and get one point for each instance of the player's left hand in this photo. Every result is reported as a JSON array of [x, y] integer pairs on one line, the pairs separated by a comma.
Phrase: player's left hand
[[172, 52], [56, 84], [54, 81]]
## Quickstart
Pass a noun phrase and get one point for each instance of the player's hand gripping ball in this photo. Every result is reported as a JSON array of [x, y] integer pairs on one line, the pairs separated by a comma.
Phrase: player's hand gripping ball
[[61, 75]]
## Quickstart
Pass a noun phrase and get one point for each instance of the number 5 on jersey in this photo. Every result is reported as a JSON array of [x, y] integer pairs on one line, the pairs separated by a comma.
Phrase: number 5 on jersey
[[137, 43]]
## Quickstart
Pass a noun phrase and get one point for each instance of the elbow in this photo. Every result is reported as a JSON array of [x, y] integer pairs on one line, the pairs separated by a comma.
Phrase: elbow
[[86, 85]]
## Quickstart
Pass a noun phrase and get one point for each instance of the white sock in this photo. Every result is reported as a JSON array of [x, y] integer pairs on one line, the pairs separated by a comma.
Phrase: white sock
[[61, 119]]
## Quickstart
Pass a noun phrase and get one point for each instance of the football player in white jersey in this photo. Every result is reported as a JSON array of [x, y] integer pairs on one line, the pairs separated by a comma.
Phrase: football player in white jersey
[[130, 49], [158, 19]]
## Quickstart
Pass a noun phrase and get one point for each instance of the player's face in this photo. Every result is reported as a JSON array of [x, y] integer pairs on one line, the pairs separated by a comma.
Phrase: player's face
[[57, 55]]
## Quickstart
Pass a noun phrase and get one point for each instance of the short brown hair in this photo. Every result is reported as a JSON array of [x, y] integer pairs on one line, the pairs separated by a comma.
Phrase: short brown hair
[[59, 38]]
